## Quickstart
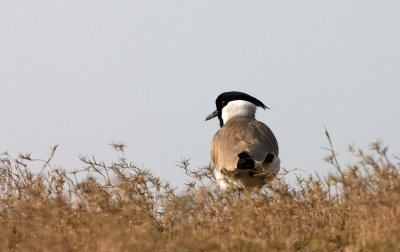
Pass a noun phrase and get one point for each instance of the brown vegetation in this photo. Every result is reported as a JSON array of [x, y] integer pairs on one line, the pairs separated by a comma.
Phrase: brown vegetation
[[119, 207]]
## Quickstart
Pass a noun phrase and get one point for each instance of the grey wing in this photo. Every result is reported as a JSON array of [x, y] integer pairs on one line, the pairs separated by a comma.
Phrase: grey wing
[[242, 135], [224, 146], [261, 141]]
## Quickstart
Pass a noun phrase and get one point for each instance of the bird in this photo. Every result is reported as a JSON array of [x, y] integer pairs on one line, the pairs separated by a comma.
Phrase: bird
[[244, 151]]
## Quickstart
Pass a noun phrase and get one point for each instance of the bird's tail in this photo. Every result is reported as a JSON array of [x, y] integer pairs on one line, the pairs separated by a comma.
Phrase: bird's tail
[[247, 162]]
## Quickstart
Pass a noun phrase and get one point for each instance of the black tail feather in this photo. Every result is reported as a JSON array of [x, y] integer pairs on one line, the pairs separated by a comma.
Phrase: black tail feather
[[245, 161], [269, 158]]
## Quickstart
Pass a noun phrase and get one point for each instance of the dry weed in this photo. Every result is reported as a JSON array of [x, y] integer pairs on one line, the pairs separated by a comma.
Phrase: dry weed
[[119, 207]]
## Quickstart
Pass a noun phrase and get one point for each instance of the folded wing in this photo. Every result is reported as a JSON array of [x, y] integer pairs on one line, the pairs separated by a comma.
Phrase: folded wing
[[240, 135]]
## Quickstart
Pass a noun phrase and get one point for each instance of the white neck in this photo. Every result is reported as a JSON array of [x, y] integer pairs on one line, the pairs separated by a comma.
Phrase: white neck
[[238, 108]]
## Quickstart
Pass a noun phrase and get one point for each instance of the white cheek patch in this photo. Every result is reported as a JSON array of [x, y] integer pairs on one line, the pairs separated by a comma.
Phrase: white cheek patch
[[238, 108]]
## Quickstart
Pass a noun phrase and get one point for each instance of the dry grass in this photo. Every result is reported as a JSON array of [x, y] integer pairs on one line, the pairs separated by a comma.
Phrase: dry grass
[[119, 207]]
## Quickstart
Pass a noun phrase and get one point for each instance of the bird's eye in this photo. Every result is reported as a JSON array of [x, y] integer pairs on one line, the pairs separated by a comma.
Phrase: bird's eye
[[223, 103]]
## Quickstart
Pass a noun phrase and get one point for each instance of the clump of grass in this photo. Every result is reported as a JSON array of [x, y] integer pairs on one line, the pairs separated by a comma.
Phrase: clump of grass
[[119, 207]]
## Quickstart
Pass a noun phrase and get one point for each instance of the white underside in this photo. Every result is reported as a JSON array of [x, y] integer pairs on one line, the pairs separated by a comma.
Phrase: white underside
[[220, 179], [225, 182]]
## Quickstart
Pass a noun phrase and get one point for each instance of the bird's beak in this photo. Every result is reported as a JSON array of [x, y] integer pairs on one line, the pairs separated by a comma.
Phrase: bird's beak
[[212, 115]]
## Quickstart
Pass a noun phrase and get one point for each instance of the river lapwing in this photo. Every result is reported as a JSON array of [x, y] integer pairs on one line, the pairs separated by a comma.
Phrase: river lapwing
[[244, 151]]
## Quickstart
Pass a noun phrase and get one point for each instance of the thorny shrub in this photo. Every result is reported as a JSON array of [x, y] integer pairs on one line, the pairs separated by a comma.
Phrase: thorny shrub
[[118, 207]]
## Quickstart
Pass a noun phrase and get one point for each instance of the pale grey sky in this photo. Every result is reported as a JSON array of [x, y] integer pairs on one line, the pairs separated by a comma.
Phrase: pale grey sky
[[84, 73]]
